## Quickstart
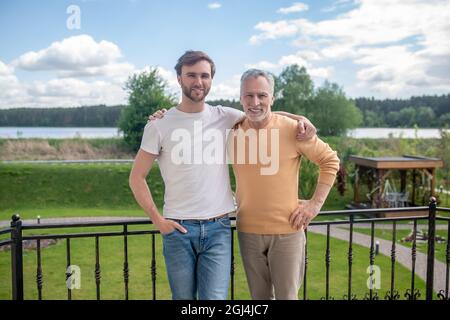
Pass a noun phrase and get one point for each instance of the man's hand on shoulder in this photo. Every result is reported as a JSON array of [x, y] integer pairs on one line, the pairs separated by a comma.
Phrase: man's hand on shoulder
[[305, 129], [157, 115]]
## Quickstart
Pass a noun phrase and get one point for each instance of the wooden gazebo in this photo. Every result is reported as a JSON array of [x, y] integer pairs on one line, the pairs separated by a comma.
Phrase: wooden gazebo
[[375, 171]]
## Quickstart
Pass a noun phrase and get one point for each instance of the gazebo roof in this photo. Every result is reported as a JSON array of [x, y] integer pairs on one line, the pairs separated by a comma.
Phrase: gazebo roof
[[403, 162]]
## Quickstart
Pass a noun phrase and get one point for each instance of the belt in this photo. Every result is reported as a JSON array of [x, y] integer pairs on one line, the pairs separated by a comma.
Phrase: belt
[[216, 218], [205, 220]]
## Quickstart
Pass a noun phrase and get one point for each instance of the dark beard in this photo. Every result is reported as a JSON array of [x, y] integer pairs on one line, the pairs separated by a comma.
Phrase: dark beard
[[187, 93]]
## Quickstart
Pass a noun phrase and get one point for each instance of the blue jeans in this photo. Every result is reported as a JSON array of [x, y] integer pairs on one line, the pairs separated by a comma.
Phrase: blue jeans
[[199, 262]]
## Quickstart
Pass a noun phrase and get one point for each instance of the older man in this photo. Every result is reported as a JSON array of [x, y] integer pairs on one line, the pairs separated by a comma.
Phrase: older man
[[271, 220]]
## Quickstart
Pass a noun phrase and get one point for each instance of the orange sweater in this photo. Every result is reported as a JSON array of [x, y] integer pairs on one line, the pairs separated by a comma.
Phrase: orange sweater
[[267, 197]]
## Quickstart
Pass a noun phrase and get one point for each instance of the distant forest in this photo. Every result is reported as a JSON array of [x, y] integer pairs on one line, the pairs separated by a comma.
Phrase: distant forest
[[92, 116], [424, 111]]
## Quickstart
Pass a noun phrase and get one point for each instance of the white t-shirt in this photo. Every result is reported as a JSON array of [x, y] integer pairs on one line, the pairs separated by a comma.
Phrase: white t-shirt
[[191, 149]]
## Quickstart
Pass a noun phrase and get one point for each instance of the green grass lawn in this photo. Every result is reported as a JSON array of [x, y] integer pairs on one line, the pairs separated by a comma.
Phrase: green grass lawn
[[52, 187], [25, 186], [112, 257]]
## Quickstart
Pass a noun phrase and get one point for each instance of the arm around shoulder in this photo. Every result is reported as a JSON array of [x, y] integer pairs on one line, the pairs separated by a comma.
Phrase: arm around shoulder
[[306, 130]]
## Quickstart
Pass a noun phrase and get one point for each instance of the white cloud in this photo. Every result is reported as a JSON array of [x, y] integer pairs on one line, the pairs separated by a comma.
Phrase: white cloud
[[301, 58], [78, 57], [5, 70], [400, 46], [80, 86], [293, 59], [310, 55], [324, 73], [60, 88], [274, 30], [214, 6], [66, 92], [398, 70], [74, 53], [338, 51], [228, 89], [119, 72], [10, 89], [86, 72], [263, 65], [296, 7]]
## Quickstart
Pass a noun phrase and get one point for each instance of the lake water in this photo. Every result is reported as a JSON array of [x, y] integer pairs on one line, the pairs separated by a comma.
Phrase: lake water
[[409, 133], [60, 133]]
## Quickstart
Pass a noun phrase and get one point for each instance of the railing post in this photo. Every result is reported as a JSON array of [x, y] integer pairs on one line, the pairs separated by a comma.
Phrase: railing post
[[16, 258], [431, 242]]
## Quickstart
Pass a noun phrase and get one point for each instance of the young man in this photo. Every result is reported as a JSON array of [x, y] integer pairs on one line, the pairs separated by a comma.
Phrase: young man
[[195, 226], [270, 218]]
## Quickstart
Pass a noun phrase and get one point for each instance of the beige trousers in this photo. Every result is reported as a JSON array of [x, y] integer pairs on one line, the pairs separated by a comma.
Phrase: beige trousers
[[274, 264]]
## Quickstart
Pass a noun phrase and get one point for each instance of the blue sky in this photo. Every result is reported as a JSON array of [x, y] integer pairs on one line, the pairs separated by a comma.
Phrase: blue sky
[[383, 48]]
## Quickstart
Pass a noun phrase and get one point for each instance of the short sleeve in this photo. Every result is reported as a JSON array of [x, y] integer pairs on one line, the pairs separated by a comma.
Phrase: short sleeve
[[151, 139], [233, 115]]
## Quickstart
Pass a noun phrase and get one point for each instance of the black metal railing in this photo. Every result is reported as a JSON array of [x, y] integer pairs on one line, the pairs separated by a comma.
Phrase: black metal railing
[[354, 218]]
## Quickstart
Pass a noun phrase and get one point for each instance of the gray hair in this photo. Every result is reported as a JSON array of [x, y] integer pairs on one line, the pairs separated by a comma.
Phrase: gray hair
[[255, 73]]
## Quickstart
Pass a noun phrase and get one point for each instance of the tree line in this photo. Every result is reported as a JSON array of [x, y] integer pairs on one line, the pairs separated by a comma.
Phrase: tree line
[[327, 106], [424, 111], [87, 116]]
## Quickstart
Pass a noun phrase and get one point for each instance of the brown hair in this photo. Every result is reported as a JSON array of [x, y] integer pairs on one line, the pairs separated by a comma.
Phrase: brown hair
[[191, 57]]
